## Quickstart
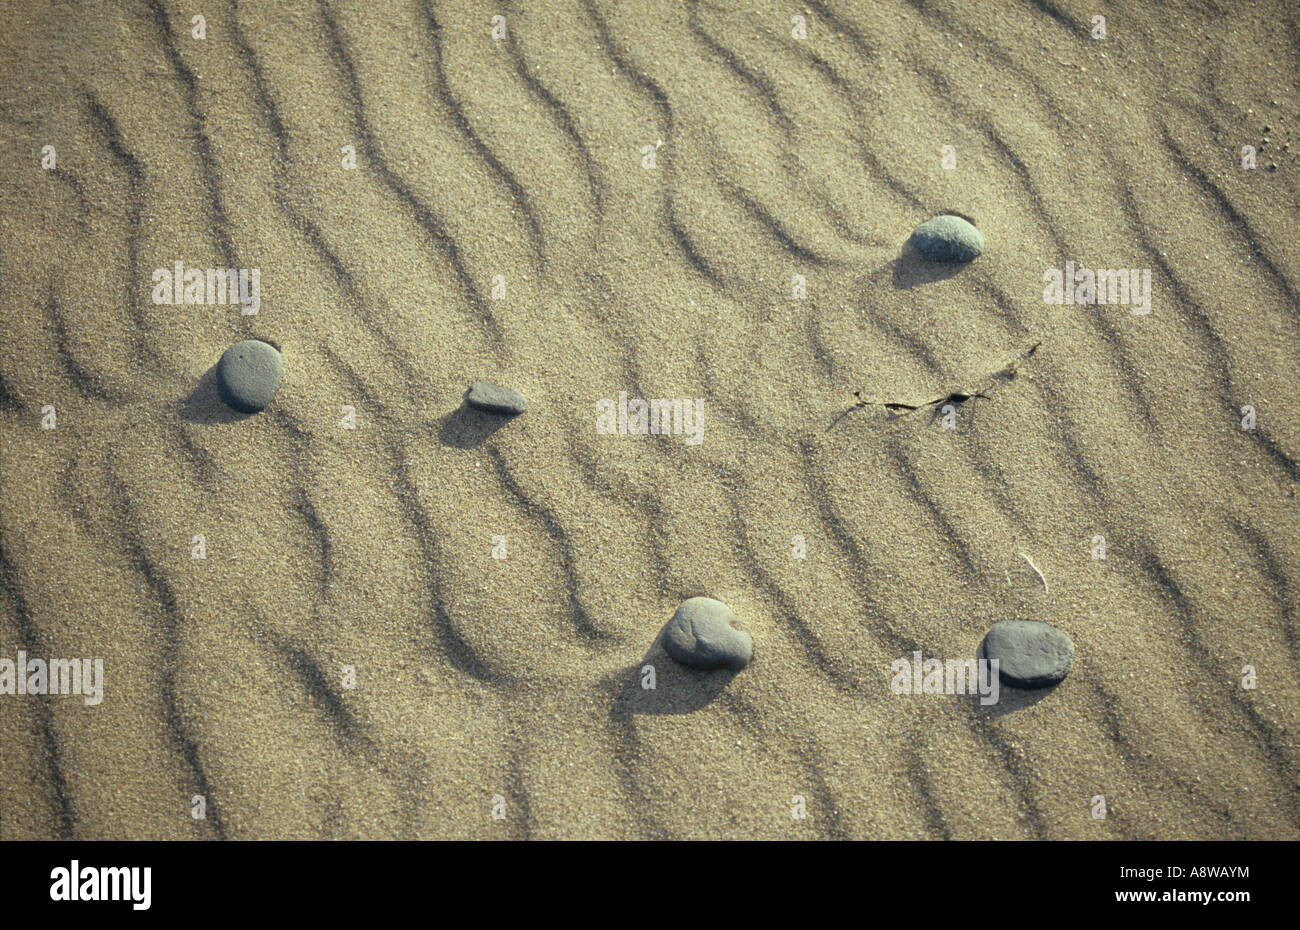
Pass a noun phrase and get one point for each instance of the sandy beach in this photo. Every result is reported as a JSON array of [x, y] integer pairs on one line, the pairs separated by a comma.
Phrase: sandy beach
[[371, 612]]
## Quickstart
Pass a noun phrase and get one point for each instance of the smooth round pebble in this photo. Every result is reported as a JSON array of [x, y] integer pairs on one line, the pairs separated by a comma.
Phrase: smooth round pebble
[[947, 239], [706, 634], [248, 374], [484, 395], [1030, 653]]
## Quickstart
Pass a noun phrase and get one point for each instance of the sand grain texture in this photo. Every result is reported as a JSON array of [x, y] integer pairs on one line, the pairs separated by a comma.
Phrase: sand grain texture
[[519, 677]]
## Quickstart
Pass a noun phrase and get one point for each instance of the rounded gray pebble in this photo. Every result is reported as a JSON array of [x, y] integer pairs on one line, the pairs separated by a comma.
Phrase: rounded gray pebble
[[947, 239], [484, 395], [706, 634], [1030, 653], [248, 374]]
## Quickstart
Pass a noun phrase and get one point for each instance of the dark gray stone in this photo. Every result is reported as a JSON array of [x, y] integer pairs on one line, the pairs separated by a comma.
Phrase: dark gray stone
[[484, 395], [705, 634], [947, 239], [1030, 653], [248, 374]]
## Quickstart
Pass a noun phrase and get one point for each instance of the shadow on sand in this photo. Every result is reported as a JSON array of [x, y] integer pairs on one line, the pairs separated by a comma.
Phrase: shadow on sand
[[1010, 700], [204, 404], [467, 428], [677, 690], [910, 269]]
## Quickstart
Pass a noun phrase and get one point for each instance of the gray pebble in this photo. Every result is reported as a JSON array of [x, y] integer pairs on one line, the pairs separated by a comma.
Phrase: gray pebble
[[705, 634], [484, 395], [947, 239], [248, 374], [1030, 653]]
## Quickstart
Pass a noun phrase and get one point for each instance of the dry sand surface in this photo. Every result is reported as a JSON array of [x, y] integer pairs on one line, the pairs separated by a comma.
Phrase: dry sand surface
[[519, 678]]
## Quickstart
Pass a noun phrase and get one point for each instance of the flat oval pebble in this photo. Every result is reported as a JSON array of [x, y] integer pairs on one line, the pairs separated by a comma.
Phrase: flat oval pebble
[[947, 239], [706, 634], [248, 374], [1030, 653], [484, 395]]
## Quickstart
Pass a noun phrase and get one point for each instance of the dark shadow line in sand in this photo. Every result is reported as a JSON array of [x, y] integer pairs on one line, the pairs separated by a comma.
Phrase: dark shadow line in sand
[[1150, 767], [443, 89], [828, 822], [324, 696], [204, 403], [1235, 219], [199, 457], [219, 222], [1268, 737], [1123, 360], [459, 651], [561, 116], [313, 233], [8, 401], [787, 611], [1016, 769], [919, 778], [771, 224], [420, 210], [523, 819], [949, 531], [351, 731], [1270, 566], [321, 537], [627, 750], [681, 236], [63, 803], [647, 504], [89, 384], [550, 521], [107, 130], [180, 730], [1222, 379], [856, 550], [759, 83]]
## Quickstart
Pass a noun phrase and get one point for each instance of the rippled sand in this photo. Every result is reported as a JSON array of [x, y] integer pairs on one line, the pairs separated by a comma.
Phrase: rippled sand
[[516, 682]]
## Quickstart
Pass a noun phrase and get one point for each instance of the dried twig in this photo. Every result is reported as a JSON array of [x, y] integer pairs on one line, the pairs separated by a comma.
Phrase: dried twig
[[1004, 374], [1036, 570]]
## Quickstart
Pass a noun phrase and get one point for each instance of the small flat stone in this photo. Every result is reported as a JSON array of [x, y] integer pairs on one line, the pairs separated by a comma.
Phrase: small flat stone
[[484, 395], [1030, 653], [947, 239], [248, 374], [705, 634]]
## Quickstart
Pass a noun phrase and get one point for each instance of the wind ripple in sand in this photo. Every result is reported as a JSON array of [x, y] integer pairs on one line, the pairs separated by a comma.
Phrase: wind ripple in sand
[[519, 677]]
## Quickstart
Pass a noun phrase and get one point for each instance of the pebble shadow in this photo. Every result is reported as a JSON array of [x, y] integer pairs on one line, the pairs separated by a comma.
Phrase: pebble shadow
[[910, 269], [204, 403], [467, 428], [678, 689], [1010, 700]]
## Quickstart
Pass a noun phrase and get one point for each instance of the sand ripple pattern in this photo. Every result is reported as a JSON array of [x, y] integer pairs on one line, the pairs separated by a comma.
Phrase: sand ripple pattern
[[519, 678]]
